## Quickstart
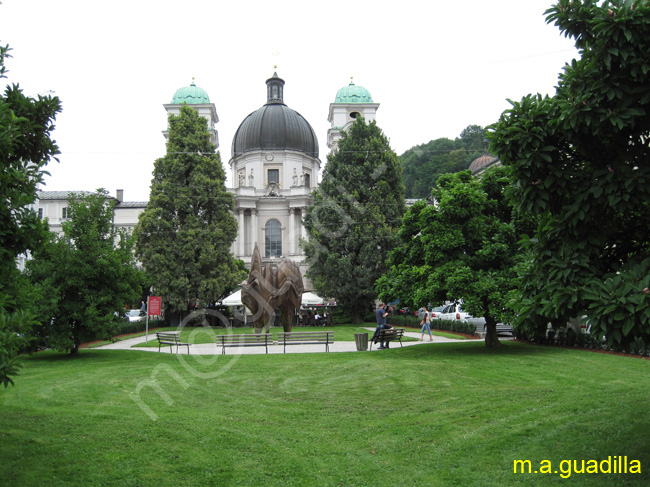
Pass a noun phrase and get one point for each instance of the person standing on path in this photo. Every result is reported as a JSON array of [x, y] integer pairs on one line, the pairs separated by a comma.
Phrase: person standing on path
[[426, 324], [381, 314]]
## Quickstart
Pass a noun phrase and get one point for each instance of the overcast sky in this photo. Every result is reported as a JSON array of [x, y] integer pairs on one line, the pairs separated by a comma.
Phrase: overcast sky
[[435, 67]]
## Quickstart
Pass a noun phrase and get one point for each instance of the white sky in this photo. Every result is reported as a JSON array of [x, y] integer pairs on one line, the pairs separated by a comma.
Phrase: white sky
[[435, 67]]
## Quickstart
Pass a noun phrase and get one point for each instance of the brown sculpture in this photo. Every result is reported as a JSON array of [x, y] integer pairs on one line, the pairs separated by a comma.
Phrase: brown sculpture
[[270, 287]]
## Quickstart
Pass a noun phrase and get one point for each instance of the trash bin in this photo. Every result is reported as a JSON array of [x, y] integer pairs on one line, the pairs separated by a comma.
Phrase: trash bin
[[361, 339]]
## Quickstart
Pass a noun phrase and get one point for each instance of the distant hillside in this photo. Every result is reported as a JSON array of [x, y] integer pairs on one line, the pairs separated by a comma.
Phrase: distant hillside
[[423, 164]]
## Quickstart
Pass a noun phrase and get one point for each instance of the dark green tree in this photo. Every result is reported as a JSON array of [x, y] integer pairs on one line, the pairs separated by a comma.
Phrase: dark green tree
[[25, 149], [85, 276], [185, 234], [423, 164], [581, 169], [353, 222], [463, 247]]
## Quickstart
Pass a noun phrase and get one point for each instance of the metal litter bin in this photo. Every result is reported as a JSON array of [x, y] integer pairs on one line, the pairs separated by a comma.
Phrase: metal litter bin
[[361, 339]]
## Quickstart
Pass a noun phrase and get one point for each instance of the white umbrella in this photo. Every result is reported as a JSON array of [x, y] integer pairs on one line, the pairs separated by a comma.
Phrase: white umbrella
[[233, 300], [307, 299], [311, 299]]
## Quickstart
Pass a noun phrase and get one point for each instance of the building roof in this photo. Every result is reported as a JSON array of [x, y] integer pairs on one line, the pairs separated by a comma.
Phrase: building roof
[[131, 204], [275, 126], [192, 95], [59, 195], [353, 94], [483, 162], [64, 195]]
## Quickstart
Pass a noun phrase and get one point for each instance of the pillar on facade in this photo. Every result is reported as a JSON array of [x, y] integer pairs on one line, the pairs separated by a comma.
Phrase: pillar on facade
[[242, 233], [292, 231], [302, 233], [254, 230]]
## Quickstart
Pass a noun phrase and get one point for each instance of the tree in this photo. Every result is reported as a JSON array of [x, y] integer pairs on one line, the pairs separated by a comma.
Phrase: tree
[[25, 149], [185, 234], [580, 163], [85, 276], [423, 164], [463, 247], [353, 222]]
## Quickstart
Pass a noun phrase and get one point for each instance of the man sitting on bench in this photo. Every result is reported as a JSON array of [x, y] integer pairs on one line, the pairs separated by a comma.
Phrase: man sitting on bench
[[381, 325]]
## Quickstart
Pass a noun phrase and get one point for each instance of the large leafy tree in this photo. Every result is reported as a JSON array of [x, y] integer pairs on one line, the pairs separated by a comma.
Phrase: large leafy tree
[[462, 247], [353, 222], [185, 234], [85, 276], [25, 149], [581, 167], [423, 164]]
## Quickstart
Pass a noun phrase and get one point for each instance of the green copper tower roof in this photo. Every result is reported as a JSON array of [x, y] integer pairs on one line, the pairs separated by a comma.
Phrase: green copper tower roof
[[353, 94], [192, 95]]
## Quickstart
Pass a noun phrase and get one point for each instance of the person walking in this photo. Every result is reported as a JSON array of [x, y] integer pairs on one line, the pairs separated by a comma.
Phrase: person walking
[[426, 324]]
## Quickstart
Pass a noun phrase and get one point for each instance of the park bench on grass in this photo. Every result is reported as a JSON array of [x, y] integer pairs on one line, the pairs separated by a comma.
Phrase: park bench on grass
[[265, 339], [172, 339], [306, 337], [388, 335]]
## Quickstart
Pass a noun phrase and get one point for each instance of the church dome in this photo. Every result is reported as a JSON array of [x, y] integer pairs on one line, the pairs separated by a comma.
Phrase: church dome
[[192, 95], [353, 94], [483, 162], [275, 126]]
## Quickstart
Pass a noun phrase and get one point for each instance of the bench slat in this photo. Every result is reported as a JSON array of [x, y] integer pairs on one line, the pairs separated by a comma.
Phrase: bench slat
[[389, 335], [305, 338], [171, 339], [265, 339]]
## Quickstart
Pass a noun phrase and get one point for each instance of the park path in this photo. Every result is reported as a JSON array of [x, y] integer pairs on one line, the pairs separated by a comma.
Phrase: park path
[[212, 349]]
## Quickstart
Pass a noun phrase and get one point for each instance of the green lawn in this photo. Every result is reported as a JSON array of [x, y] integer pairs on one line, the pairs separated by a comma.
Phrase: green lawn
[[452, 414]]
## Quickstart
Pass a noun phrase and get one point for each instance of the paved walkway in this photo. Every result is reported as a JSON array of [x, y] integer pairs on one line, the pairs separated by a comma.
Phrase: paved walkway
[[212, 348]]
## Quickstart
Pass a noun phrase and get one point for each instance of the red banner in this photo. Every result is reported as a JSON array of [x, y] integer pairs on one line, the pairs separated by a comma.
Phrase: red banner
[[155, 303]]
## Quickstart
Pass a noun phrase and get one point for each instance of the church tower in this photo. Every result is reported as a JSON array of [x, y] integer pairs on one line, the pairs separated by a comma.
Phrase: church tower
[[274, 168], [198, 99], [351, 102]]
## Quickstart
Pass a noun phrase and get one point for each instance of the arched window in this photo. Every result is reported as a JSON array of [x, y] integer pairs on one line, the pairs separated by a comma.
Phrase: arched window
[[273, 239]]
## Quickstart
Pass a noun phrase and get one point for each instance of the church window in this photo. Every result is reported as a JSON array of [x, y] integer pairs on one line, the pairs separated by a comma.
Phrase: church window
[[40, 213], [273, 239], [273, 176], [64, 213], [354, 115], [307, 180]]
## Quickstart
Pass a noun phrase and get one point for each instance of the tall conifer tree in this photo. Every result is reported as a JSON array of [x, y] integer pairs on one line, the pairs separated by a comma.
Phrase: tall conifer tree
[[353, 223], [184, 235]]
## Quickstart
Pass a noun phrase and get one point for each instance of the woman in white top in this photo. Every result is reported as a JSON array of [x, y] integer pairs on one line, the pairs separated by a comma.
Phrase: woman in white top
[[426, 324]]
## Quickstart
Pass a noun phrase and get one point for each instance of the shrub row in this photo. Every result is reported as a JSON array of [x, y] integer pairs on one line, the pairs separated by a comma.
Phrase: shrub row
[[137, 326], [569, 338], [454, 326]]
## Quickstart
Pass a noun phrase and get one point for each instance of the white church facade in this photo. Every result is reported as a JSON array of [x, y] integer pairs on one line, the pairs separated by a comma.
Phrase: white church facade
[[274, 167]]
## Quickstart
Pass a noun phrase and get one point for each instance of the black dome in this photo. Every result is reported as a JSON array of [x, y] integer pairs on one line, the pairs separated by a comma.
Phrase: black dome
[[275, 126]]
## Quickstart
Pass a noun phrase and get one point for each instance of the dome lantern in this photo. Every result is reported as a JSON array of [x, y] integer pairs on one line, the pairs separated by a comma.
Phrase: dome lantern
[[275, 126]]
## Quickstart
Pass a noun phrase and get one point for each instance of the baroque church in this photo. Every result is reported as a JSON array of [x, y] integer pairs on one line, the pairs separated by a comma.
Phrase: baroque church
[[274, 165]]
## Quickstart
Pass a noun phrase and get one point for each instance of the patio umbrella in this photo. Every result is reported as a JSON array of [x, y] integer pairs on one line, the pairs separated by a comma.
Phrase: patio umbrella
[[233, 300], [311, 299]]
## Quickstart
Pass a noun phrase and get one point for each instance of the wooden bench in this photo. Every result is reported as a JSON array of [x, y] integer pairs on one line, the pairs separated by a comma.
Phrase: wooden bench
[[265, 339], [388, 335], [305, 338], [172, 339]]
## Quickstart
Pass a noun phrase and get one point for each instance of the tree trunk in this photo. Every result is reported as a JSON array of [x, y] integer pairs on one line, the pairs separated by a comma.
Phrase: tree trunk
[[491, 337]]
